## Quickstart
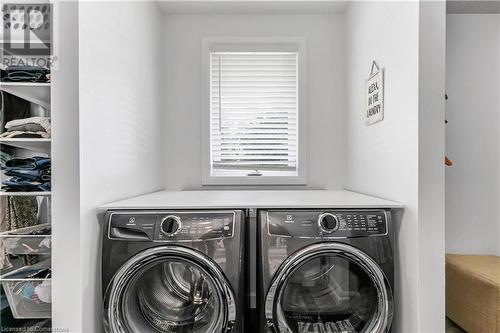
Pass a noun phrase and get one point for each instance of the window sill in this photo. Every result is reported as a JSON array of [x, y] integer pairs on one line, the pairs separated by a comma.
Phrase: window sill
[[255, 180]]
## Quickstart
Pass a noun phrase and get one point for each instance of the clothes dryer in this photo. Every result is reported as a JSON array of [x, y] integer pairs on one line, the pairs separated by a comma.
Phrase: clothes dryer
[[325, 271]]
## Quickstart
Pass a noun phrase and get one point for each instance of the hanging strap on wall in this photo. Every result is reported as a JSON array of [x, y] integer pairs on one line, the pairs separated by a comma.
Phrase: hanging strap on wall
[[374, 65]]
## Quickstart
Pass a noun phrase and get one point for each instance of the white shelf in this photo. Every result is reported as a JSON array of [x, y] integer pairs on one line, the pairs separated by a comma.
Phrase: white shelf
[[24, 84], [36, 144], [26, 194], [252, 199]]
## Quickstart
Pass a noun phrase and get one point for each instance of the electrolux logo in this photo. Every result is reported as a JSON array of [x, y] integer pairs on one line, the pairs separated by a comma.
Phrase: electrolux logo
[[26, 34]]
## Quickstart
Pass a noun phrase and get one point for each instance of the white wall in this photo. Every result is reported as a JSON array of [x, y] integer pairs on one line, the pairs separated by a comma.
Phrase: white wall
[[384, 159], [65, 167], [431, 168], [472, 134], [120, 123], [325, 89]]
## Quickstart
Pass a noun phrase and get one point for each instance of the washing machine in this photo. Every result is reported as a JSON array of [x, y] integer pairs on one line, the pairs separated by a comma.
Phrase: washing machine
[[325, 271], [173, 271]]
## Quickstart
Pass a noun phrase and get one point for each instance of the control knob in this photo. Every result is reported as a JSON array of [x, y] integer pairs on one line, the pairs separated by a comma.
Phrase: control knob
[[328, 222], [170, 225]]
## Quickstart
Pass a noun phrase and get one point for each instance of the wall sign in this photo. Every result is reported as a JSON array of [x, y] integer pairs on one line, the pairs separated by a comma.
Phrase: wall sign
[[375, 95]]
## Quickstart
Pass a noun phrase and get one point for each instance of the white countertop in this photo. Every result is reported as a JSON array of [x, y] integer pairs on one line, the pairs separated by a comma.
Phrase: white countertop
[[252, 199]]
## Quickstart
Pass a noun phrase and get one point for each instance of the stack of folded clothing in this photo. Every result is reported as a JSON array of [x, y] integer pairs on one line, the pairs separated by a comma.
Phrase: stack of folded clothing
[[25, 74], [27, 174], [34, 127]]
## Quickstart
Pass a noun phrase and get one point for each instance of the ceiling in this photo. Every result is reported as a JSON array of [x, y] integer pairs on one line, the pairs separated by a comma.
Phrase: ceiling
[[301, 6], [253, 7]]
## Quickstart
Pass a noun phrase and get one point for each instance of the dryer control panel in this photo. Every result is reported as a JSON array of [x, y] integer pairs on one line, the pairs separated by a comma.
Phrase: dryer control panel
[[327, 224], [171, 226]]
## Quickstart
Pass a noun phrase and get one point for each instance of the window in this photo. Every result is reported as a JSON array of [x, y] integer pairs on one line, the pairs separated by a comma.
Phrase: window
[[254, 118]]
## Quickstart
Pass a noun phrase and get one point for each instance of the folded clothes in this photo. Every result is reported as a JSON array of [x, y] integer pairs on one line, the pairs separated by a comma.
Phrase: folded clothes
[[25, 74], [37, 174], [22, 76], [9, 69], [22, 134], [18, 181], [27, 128], [27, 174], [44, 122], [16, 184], [32, 163]]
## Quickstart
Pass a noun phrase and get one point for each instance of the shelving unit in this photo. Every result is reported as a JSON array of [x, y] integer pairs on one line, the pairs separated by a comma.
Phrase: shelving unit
[[22, 311], [26, 250]]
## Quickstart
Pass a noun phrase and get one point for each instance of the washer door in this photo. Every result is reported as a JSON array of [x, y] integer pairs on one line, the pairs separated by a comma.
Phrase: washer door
[[329, 288], [169, 289]]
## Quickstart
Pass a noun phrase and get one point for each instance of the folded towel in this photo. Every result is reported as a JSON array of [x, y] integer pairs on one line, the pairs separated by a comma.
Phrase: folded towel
[[42, 121]]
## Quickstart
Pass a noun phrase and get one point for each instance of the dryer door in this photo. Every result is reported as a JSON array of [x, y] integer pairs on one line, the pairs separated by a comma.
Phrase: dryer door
[[169, 289], [329, 288]]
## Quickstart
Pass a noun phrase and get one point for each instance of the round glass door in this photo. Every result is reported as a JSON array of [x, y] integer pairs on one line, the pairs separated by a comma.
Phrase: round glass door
[[169, 292], [329, 288]]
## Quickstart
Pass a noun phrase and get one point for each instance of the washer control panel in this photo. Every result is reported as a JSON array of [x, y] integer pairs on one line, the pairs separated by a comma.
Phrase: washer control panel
[[327, 224], [171, 226], [189, 226]]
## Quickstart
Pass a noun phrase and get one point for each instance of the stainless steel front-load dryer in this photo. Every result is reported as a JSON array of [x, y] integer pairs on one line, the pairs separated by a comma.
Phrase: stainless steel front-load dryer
[[172, 271], [325, 271]]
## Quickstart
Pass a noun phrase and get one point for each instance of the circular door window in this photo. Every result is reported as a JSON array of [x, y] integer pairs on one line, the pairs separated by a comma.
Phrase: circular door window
[[169, 289], [329, 287]]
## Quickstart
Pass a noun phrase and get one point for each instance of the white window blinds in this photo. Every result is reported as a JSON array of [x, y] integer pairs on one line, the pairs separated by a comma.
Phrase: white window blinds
[[253, 113]]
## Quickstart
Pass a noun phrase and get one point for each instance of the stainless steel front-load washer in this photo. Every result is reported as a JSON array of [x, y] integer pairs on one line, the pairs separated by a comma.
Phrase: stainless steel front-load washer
[[173, 271], [325, 271]]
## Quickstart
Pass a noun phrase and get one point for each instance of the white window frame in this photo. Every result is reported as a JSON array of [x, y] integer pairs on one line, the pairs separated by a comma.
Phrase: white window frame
[[253, 44]]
